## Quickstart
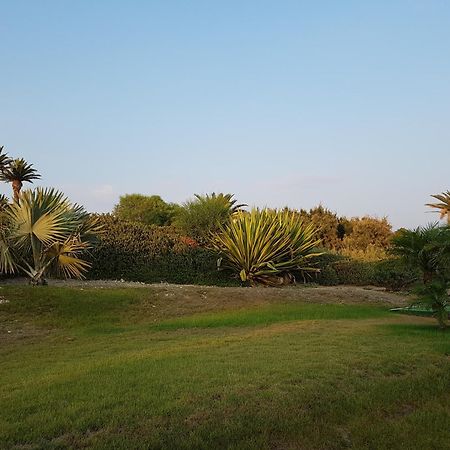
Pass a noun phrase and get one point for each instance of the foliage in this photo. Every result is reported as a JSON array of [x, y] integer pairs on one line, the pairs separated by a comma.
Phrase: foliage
[[393, 274], [370, 253], [365, 238], [17, 172], [149, 210], [368, 235], [44, 233], [426, 248], [331, 228], [350, 271], [435, 296], [5, 160], [204, 215], [136, 252], [443, 206], [263, 245]]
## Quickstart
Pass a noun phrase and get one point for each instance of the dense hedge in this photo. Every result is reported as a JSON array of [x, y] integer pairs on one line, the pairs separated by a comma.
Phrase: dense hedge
[[136, 252], [389, 273]]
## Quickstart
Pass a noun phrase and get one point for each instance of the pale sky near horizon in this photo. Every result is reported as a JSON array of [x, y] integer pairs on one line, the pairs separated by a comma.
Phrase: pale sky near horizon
[[284, 103]]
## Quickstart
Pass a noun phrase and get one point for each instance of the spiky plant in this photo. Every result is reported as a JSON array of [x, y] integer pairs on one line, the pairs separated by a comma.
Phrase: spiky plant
[[443, 207], [265, 245], [17, 172], [426, 248], [205, 214], [43, 234], [226, 200]]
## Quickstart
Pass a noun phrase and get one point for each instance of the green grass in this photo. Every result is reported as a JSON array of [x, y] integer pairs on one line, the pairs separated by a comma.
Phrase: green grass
[[131, 368], [271, 314]]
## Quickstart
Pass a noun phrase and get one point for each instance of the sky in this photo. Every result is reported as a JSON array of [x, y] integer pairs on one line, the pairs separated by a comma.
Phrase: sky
[[283, 103]]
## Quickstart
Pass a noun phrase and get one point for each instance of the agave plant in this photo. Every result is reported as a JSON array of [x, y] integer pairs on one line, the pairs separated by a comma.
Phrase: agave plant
[[43, 233], [264, 246], [17, 172], [443, 206]]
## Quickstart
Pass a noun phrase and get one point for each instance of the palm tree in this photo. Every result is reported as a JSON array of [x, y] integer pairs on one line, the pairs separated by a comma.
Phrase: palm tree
[[44, 233], [17, 172], [5, 160], [425, 248], [444, 206]]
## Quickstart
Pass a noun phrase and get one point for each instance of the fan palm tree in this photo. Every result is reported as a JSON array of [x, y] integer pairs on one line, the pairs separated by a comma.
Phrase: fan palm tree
[[44, 233], [17, 172], [443, 206]]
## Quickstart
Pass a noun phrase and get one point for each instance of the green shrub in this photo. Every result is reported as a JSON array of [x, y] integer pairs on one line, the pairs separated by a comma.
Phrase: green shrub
[[136, 252], [149, 210], [350, 271], [394, 275]]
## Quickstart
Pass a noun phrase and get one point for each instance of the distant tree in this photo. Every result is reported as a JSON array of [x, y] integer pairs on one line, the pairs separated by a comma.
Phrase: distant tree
[[331, 228], [17, 172], [368, 231], [149, 210], [443, 207], [199, 217]]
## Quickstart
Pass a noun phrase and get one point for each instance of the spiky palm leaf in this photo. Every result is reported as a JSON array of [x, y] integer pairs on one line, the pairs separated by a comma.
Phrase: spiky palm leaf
[[17, 172], [19, 169], [263, 244], [5, 160], [45, 225], [443, 206], [427, 248], [226, 200]]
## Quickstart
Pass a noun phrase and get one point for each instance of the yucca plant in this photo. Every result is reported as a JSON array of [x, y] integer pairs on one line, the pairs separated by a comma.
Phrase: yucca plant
[[443, 206], [264, 246], [43, 233], [17, 172]]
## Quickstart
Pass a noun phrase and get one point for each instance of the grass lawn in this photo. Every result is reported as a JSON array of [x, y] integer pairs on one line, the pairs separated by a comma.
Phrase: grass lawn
[[193, 368]]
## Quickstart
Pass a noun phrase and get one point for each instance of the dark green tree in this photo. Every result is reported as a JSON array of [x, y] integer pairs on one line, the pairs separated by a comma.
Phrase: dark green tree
[[149, 210]]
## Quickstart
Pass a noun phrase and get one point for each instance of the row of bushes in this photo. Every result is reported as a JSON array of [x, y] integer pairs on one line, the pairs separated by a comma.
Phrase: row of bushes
[[390, 273], [136, 252]]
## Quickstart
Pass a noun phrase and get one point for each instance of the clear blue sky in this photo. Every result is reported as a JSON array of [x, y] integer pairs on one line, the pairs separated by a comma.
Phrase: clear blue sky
[[344, 103]]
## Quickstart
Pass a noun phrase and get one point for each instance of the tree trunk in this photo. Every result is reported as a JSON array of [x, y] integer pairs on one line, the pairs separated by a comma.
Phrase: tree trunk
[[17, 186]]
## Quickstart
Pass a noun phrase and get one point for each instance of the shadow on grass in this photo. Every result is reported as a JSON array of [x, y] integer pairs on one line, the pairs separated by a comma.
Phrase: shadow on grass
[[272, 314]]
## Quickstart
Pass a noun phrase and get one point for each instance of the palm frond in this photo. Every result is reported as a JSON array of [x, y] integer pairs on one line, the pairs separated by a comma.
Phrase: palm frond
[[20, 170]]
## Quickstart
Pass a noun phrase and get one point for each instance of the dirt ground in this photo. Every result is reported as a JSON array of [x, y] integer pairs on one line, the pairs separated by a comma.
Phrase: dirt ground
[[247, 296]]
